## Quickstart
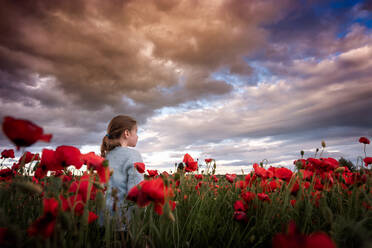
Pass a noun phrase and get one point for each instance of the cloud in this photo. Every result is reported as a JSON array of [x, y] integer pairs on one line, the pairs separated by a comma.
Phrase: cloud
[[331, 104], [236, 80], [99, 52]]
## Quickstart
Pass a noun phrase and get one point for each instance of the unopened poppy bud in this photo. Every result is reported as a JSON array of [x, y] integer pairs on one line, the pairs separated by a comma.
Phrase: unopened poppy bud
[[317, 149], [302, 153], [340, 169], [114, 192], [323, 144], [105, 163], [98, 185], [252, 238], [171, 216]]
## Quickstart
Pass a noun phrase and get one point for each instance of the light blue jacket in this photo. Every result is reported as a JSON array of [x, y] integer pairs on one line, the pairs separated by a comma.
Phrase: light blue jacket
[[121, 161]]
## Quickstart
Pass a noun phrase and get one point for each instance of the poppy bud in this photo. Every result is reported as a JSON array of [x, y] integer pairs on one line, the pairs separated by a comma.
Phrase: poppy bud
[[171, 216], [98, 185], [105, 163], [302, 153], [340, 169], [252, 238], [323, 144]]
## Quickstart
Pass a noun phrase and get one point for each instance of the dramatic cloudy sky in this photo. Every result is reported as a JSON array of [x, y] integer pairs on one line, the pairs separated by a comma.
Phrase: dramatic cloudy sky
[[238, 81]]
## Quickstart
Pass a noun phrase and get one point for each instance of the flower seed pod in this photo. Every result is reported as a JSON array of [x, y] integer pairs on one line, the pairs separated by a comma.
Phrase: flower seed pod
[[323, 144]]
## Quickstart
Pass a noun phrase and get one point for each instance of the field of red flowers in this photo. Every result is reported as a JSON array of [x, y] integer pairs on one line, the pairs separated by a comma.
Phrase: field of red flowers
[[323, 203]]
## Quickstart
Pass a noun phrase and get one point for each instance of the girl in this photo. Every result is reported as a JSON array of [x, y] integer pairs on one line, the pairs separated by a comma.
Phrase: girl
[[121, 134]]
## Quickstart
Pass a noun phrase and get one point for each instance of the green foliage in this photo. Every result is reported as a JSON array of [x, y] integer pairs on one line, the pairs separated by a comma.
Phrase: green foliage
[[347, 163], [202, 218]]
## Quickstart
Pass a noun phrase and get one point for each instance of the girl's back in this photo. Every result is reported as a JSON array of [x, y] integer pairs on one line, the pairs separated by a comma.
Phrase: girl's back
[[125, 176]]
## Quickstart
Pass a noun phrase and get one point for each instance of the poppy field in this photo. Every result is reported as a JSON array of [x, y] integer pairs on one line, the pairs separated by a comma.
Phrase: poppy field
[[324, 202]]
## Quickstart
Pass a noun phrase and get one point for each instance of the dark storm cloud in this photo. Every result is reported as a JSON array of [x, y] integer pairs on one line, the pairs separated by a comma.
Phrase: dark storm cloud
[[70, 66]]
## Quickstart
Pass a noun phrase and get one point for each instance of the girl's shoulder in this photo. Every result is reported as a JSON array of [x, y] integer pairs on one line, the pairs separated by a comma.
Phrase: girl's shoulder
[[129, 152]]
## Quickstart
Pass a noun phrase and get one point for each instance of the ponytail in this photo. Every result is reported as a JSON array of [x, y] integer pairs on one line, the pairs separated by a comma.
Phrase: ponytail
[[115, 129]]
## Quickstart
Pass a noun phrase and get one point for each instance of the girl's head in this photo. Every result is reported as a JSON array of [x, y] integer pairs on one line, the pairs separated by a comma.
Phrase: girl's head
[[121, 131]]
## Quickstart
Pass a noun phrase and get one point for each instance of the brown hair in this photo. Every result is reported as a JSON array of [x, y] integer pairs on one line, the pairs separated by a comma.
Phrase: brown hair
[[115, 128]]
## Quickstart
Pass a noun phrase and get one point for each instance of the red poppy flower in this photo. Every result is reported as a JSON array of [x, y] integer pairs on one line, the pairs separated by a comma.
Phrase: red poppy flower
[[4, 234], [198, 176], [149, 191], [263, 197], [140, 167], [260, 171], [152, 173], [208, 160], [165, 174], [247, 179], [92, 217], [197, 187], [23, 132], [6, 174], [214, 178], [191, 165], [241, 184], [48, 163], [45, 224], [306, 174], [292, 238], [319, 239], [153, 190], [329, 163], [27, 157], [103, 174], [158, 208], [91, 160], [172, 204], [283, 173], [367, 161], [97, 163], [74, 202], [273, 185], [248, 196], [82, 186], [315, 162], [68, 155], [364, 140], [239, 206], [134, 195], [230, 177], [7, 153], [295, 188], [240, 216]]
